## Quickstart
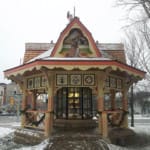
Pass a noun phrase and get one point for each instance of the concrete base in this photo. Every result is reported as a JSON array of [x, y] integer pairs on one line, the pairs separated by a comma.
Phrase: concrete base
[[28, 136], [121, 136]]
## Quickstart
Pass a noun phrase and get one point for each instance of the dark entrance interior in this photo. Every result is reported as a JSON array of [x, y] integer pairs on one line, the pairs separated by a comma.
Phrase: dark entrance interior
[[74, 103]]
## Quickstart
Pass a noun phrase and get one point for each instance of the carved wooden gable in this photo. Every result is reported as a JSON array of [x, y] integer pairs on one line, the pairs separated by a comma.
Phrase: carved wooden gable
[[75, 41]]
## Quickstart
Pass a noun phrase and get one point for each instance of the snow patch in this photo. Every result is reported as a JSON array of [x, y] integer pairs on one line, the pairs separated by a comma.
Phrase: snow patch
[[114, 147], [36, 147], [5, 131]]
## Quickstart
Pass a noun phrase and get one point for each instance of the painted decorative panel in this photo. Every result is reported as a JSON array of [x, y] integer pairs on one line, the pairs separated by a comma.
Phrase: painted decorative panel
[[75, 45], [30, 83], [89, 79], [43, 81], [75, 80], [61, 79], [112, 82], [107, 82], [37, 82], [119, 83]]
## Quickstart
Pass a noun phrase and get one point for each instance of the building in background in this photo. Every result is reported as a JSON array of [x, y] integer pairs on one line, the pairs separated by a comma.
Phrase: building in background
[[10, 97], [2, 94], [13, 93]]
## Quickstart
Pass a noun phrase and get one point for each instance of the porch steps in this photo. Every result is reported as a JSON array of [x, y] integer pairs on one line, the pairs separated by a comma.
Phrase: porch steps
[[60, 123]]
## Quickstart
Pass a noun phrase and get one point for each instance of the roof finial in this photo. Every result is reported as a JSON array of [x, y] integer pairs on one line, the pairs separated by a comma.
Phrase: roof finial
[[69, 16], [74, 12]]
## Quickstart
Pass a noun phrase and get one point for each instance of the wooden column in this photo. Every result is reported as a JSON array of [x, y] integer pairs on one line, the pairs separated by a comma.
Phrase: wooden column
[[104, 123], [34, 100], [125, 99], [23, 107], [49, 114], [125, 106], [102, 120]]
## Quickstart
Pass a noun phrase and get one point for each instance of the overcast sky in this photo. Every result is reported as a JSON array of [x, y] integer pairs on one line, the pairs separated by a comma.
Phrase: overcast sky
[[23, 21]]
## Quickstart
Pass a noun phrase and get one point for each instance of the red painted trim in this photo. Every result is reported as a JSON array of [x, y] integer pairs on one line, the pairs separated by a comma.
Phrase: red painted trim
[[83, 28], [92, 63]]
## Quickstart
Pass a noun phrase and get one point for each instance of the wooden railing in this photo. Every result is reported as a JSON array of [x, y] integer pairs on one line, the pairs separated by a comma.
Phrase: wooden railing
[[116, 117], [35, 119]]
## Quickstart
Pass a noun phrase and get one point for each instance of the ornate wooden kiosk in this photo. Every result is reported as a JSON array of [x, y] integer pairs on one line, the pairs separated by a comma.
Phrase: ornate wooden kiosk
[[75, 80]]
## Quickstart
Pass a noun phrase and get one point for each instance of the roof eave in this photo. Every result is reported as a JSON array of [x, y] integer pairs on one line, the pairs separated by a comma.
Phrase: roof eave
[[82, 64]]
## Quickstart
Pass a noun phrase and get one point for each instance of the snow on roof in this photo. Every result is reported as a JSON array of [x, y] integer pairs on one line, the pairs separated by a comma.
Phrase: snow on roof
[[101, 46], [38, 46], [43, 55], [110, 46], [105, 54], [75, 58]]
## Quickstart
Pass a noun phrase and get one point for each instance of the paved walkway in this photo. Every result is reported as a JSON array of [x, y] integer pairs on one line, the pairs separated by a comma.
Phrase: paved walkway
[[76, 139]]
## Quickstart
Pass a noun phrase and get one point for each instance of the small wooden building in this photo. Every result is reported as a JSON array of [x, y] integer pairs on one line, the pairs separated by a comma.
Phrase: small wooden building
[[75, 82]]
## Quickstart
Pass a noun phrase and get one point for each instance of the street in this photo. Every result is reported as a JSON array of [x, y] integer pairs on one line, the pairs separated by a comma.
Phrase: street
[[9, 121], [138, 121]]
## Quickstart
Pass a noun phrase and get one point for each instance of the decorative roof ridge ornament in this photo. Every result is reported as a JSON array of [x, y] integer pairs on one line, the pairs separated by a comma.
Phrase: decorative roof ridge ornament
[[74, 11], [70, 17]]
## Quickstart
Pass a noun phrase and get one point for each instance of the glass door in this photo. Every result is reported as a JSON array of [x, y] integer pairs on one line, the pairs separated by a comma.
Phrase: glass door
[[74, 103], [87, 103]]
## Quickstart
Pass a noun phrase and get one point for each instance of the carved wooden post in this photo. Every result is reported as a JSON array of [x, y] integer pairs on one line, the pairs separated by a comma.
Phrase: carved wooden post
[[49, 114], [34, 100], [24, 101], [125, 106], [23, 107], [104, 124], [102, 120]]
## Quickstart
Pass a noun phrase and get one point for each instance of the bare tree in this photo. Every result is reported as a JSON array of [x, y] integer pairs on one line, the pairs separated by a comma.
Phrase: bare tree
[[137, 39], [141, 26], [133, 49], [145, 37], [133, 53], [136, 4]]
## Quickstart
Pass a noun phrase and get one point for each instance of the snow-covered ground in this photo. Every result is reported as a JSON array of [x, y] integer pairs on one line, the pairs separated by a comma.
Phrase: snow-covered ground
[[4, 131], [6, 128], [36, 147]]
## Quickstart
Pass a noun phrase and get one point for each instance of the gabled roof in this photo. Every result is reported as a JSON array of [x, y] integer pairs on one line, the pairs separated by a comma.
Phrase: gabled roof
[[112, 50], [108, 50], [43, 55], [75, 23], [33, 50], [93, 55], [41, 51]]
